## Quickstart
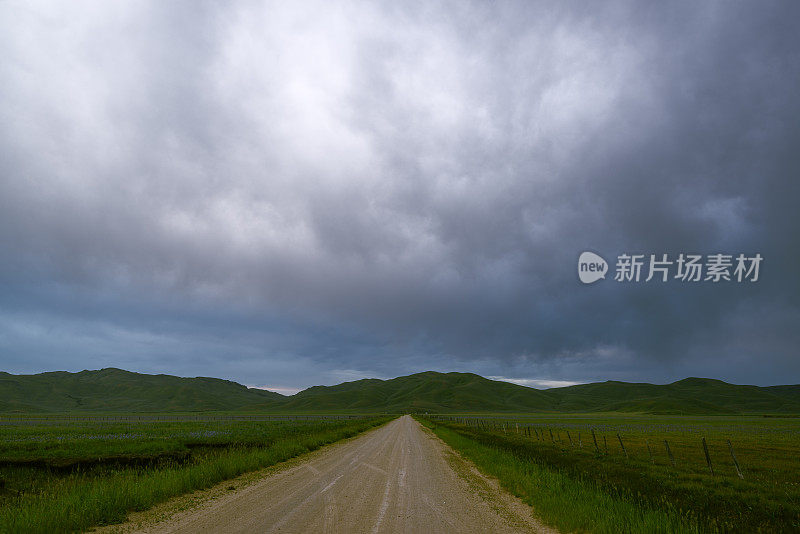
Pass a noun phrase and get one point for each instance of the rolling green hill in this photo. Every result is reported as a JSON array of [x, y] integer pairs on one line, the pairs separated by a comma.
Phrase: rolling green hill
[[423, 392], [688, 396], [115, 390], [466, 392]]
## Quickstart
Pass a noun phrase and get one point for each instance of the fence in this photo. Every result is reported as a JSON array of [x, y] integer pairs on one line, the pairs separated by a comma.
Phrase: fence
[[545, 434]]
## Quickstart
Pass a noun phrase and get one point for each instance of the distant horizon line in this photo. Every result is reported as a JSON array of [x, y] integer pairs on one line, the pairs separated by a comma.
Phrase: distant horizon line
[[289, 391]]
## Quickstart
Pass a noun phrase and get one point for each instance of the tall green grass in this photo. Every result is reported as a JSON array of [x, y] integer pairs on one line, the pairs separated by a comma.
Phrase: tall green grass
[[578, 489], [104, 495]]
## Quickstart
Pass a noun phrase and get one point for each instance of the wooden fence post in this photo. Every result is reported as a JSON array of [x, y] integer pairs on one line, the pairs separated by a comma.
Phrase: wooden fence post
[[669, 453], [735, 462], [595, 442], [570, 439], [649, 452], [551, 435], [708, 458], [605, 443], [622, 445]]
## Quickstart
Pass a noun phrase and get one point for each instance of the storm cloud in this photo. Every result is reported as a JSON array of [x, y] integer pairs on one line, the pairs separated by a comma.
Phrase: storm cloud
[[287, 194]]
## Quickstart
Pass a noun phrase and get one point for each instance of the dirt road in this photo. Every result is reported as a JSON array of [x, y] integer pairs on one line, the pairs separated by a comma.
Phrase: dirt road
[[398, 478]]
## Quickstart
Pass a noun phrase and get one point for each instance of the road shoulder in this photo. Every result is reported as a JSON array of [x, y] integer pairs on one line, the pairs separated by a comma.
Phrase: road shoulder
[[176, 508], [516, 512]]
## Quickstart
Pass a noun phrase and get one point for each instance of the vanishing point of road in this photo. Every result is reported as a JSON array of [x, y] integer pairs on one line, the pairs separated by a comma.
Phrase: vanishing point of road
[[397, 478]]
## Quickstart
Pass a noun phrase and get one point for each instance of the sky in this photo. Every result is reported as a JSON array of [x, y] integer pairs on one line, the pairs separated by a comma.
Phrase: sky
[[297, 193]]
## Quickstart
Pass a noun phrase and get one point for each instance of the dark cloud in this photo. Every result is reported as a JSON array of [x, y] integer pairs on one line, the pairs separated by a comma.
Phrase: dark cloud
[[287, 196]]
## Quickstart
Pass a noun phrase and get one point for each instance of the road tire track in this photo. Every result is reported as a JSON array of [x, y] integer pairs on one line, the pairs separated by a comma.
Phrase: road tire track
[[398, 478]]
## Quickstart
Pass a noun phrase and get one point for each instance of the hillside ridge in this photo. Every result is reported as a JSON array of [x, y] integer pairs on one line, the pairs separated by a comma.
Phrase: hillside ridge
[[117, 390]]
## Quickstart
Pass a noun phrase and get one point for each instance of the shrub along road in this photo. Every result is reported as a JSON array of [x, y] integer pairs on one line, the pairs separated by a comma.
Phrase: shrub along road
[[398, 478]]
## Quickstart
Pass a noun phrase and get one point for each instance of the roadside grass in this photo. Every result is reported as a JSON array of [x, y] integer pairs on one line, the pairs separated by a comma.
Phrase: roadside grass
[[87, 442], [576, 488], [63, 491]]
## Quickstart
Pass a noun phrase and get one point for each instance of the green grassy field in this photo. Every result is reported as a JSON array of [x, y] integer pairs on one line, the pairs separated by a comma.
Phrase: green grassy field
[[552, 463], [68, 460], [66, 476]]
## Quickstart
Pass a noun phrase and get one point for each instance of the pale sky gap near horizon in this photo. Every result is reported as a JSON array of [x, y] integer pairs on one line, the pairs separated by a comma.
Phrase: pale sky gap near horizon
[[288, 194]]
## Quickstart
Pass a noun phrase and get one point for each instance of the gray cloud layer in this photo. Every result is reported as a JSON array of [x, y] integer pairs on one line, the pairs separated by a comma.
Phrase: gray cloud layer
[[289, 195]]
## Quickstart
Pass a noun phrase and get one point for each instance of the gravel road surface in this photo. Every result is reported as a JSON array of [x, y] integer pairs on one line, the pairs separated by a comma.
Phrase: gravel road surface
[[397, 478]]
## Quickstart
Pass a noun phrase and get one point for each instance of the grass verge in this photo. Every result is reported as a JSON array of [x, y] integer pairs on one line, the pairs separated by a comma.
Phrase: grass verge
[[104, 494], [570, 503], [765, 499]]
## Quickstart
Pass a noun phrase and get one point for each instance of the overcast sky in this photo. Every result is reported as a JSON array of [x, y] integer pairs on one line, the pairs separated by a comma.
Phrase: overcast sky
[[293, 193]]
